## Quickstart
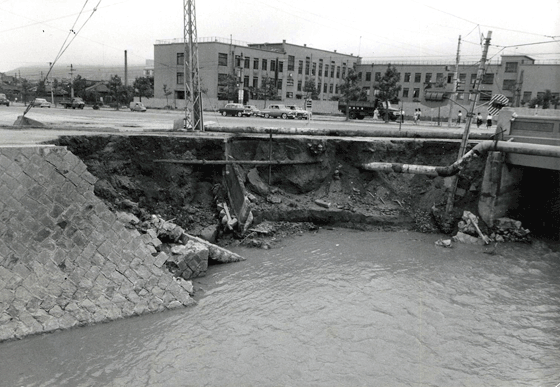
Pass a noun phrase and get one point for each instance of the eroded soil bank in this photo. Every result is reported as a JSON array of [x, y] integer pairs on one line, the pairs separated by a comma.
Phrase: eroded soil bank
[[333, 190]]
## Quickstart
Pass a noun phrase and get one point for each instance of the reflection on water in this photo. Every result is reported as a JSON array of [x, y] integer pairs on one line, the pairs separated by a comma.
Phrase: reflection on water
[[338, 308]]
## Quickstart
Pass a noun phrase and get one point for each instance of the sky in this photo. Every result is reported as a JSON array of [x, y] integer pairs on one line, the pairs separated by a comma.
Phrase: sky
[[35, 32]]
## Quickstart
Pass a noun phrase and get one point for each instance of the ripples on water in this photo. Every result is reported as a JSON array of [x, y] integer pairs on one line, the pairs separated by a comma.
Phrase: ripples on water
[[339, 308]]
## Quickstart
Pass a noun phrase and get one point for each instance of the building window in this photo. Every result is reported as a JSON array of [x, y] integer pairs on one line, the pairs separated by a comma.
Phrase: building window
[[291, 62], [237, 61], [180, 58], [377, 77], [511, 67], [180, 78], [279, 84], [264, 64], [314, 68], [338, 72], [527, 96], [281, 66], [300, 67], [290, 94], [298, 85], [485, 96], [405, 93], [428, 78], [449, 77], [325, 87], [417, 77], [255, 83], [331, 88], [343, 70], [179, 94], [360, 76], [336, 89], [273, 65], [307, 64], [439, 78], [332, 70], [326, 71], [256, 64], [247, 62], [509, 84], [415, 93], [368, 76], [406, 77], [320, 67], [246, 81], [488, 79], [222, 59]]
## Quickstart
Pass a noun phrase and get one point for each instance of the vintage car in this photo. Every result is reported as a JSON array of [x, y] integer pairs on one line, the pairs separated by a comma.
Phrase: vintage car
[[253, 109], [235, 109], [137, 107], [4, 100], [41, 102], [276, 111], [300, 113]]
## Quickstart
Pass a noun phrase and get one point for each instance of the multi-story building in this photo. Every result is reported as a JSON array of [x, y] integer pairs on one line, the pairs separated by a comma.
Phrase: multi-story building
[[518, 77], [251, 65]]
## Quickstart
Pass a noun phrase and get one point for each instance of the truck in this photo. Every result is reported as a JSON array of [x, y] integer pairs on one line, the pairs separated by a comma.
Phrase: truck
[[362, 109], [74, 103]]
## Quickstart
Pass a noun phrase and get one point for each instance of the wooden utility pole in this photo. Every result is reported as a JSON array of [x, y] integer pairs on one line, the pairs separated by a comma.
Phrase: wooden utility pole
[[72, 69], [465, 139], [455, 83]]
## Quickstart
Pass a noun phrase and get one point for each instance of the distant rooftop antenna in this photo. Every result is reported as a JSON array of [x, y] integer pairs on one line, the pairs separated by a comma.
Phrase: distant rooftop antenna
[[193, 96]]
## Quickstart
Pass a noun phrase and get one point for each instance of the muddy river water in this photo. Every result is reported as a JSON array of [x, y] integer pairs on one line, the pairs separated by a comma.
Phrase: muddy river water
[[336, 308]]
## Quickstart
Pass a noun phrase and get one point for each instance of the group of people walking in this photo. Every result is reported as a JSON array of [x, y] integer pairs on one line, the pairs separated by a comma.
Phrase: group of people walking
[[478, 119]]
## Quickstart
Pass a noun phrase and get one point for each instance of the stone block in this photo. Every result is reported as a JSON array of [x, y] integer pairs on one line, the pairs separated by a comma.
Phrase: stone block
[[160, 259]]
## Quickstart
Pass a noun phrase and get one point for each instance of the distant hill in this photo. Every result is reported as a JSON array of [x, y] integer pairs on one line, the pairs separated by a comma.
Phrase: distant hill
[[62, 71]]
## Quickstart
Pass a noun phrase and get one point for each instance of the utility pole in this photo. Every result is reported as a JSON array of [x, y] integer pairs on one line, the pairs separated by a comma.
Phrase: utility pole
[[72, 69], [193, 98], [455, 83], [464, 140], [125, 69], [52, 91]]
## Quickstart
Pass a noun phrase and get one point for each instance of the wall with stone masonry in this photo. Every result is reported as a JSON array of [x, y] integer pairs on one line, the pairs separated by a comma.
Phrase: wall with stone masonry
[[65, 258]]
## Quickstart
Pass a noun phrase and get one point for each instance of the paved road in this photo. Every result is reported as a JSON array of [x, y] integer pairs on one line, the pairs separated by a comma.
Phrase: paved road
[[59, 121]]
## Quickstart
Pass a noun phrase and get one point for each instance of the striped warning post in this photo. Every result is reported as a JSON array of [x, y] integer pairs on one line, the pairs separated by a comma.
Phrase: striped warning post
[[497, 102]]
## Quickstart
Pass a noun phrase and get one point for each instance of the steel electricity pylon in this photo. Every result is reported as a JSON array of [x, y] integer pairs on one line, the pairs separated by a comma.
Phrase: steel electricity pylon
[[193, 96]]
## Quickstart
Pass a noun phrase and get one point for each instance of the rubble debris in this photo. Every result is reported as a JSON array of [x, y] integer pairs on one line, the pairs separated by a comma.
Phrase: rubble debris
[[469, 226], [444, 243], [509, 230], [322, 203]]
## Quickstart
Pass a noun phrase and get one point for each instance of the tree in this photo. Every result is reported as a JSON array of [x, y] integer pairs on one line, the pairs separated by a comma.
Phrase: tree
[[167, 93], [268, 89], [350, 90], [144, 87], [544, 100], [388, 88], [310, 87], [80, 85], [117, 90]]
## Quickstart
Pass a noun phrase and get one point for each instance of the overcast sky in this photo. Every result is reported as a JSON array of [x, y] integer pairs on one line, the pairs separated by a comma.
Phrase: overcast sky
[[32, 32]]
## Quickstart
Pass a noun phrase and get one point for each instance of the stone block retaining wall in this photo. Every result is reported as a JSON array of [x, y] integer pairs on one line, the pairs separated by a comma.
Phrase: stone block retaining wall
[[65, 258]]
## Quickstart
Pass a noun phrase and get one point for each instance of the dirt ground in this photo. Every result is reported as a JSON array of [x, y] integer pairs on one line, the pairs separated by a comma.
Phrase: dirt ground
[[287, 199]]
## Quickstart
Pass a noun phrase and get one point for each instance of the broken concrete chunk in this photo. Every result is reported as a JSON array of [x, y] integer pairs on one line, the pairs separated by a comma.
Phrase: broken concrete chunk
[[322, 203], [256, 182]]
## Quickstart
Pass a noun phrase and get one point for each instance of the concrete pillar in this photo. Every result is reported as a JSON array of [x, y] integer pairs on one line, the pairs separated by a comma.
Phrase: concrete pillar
[[500, 190]]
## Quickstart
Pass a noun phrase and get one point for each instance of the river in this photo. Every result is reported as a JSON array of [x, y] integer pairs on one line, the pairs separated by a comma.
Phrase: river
[[335, 308]]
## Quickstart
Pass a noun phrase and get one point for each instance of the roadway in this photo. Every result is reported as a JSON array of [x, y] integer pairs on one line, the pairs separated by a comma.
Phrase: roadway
[[60, 121]]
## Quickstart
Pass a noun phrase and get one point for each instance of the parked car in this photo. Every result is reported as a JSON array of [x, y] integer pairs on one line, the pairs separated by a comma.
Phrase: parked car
[[137, 107], [276, 111], [74, 103], [41, 102], [4, 100], [300, 113], [253, 109], [235, 109]]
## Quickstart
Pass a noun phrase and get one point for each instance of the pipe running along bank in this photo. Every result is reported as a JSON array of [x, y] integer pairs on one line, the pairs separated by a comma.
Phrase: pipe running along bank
[[477, 151]]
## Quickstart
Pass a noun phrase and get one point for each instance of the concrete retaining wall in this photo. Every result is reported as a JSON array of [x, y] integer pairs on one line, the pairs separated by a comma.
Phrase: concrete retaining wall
[[65, 259]]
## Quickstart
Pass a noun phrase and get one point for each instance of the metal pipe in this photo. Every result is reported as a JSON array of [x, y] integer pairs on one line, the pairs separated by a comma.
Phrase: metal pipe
[[478, 150], [247, 162], [357, 132]]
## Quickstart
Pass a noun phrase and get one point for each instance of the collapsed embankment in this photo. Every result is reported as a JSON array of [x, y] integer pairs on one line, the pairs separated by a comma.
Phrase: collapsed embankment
[[332, 189]]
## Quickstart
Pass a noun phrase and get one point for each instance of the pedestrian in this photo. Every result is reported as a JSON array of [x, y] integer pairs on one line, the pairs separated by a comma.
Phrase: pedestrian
[[419, 114], [402, 115], [478, 120], [415, 117], [459, 116], [488, 121]]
